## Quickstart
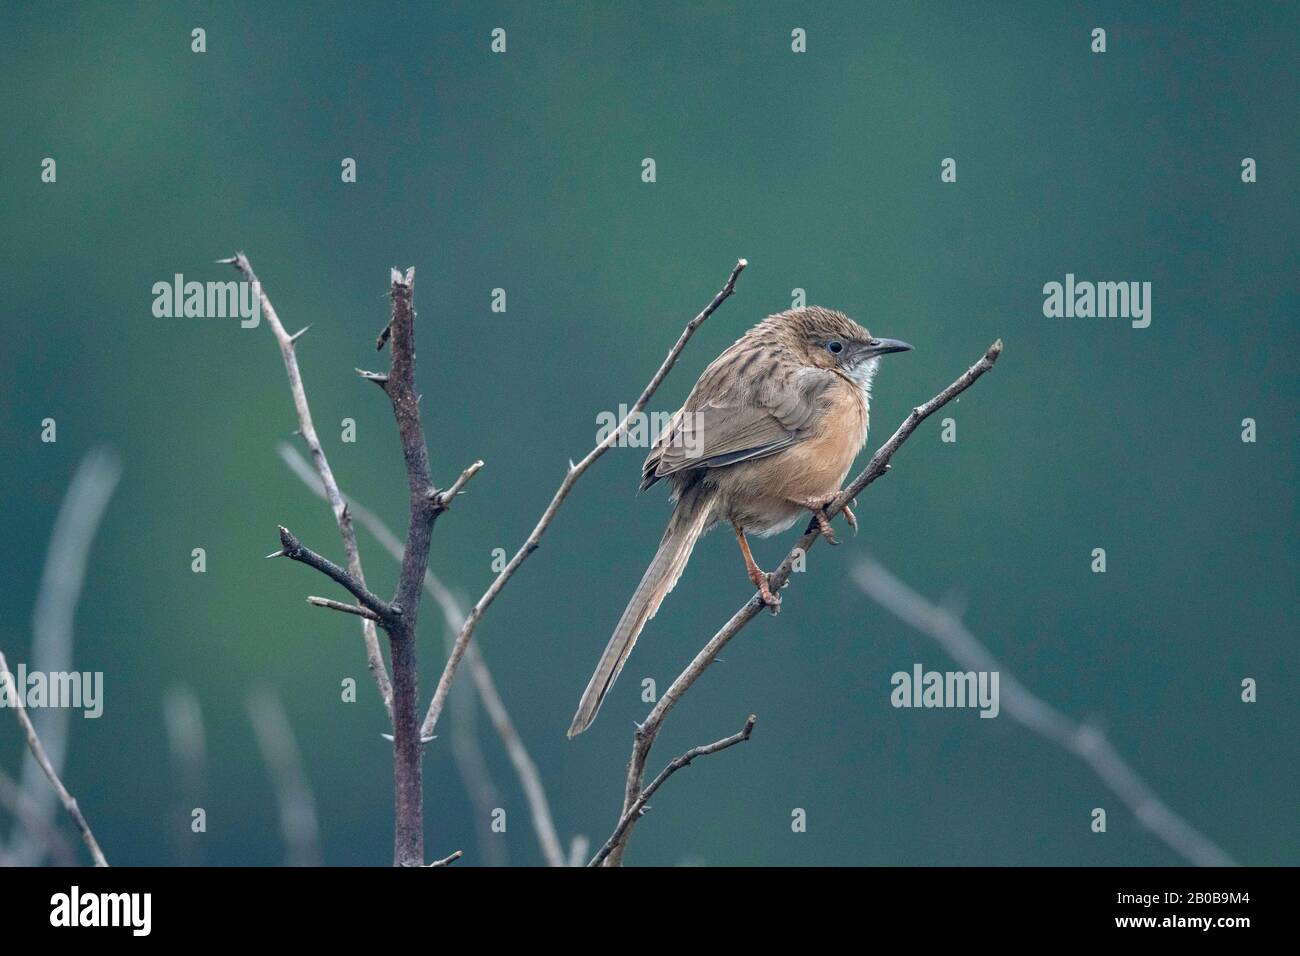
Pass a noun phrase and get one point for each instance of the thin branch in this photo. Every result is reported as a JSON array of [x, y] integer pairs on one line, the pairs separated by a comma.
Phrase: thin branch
[[53, 619], [293, 795], [879, 464], [345, 608], [574, 473], [374, 657], [1085, 742], [295, 550], [38, 752], [442, 499], [454, 615], [448, 860], [639, 806]]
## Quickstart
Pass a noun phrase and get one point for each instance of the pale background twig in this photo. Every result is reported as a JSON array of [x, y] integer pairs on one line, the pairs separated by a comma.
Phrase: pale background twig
[[187, 745], [53, 619], [1085, 742], [293, 795]]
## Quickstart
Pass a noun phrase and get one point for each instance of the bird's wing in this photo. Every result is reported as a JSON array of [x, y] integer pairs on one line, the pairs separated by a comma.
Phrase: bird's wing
[[749, 421]]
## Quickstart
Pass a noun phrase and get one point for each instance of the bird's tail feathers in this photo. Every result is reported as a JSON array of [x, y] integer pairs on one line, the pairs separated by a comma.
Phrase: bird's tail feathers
[[690, 519]]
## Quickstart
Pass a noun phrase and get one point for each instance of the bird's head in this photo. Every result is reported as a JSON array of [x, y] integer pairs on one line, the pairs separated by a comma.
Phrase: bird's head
[[826, 339]]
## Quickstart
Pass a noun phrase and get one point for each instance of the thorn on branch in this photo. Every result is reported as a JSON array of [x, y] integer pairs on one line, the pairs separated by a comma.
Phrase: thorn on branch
[[379, 378], [423, 740]]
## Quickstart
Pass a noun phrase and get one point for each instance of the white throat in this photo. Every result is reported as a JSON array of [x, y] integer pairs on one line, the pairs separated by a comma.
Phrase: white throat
[[863, 373]]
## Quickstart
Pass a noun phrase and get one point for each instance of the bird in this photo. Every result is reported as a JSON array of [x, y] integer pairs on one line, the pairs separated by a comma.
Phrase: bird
[[767, 434]]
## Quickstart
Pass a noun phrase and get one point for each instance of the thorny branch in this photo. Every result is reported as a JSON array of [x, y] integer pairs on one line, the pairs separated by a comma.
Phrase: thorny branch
[[287, 343], [639, 807], [294, 550], [454, 615], [646, 732], [399, 616]]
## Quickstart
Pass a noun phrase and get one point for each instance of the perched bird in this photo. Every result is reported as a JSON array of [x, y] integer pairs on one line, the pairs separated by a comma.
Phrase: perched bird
[[768, 432]]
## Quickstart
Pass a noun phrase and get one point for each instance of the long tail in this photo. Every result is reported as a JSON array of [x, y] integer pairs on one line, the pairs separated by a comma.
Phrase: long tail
[[690, 518]]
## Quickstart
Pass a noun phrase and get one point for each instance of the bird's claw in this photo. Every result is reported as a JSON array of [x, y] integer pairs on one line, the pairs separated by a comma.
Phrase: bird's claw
[[824, 525], [851, 518], [760, 581], [818, 508]]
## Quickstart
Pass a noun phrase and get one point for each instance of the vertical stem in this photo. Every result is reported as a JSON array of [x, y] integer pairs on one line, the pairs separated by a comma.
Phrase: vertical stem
[[408, 774], [408, 843]]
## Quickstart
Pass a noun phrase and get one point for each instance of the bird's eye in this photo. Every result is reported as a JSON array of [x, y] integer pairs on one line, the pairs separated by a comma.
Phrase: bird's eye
[[834, 347]]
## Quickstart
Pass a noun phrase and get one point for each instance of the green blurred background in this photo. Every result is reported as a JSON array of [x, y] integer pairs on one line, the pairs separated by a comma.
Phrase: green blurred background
[[522, 171]]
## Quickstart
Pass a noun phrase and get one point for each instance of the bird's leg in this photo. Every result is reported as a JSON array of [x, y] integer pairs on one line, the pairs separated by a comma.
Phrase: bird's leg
[[818, 507], [756, 574]]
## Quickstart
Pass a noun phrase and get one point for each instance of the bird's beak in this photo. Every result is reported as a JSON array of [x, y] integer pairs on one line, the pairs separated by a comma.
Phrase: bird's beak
[[885, 346]]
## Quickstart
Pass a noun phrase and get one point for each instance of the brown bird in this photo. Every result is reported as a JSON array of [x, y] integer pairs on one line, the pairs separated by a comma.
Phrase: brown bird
[[768, 432]]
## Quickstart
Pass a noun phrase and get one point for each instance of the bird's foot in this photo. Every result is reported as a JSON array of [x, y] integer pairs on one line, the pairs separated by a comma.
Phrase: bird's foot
[[759, 579], [818, 508]]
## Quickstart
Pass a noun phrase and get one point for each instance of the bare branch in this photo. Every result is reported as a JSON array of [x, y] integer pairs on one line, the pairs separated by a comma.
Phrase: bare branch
[[345, 608], [408, 847], [298, 825], [1086, 743], [878, 465], [38, 752], [295, 550], [448, 860], [574, 473], [374, 657], [454, 615], [639, 806]]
